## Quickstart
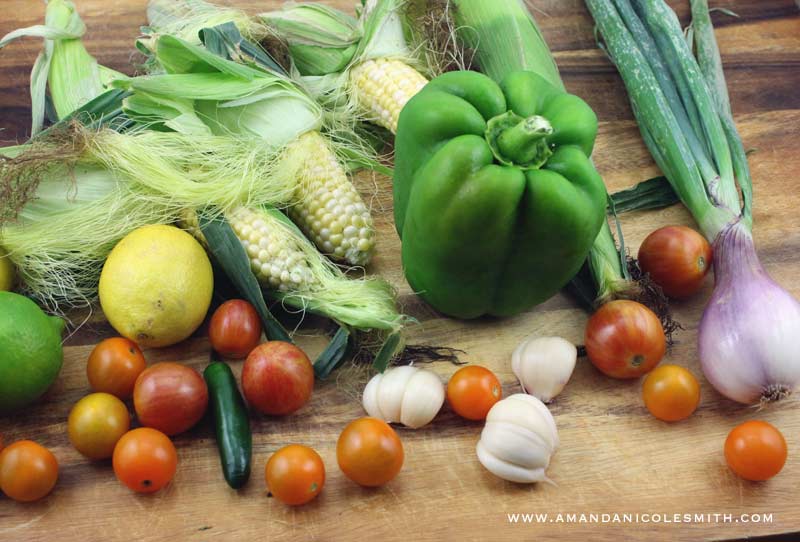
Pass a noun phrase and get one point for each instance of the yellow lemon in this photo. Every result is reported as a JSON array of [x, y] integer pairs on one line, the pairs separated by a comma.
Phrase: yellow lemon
[[156, 286], [6, 271]]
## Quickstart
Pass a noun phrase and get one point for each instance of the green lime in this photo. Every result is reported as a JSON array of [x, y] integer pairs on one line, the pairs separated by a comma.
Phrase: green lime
[[30, 351]]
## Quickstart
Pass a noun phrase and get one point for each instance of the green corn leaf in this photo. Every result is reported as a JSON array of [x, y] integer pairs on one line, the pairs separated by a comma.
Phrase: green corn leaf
[[655, 193], [391, 347], [334, 353], [226, 41], [103, 111], [231, 257]]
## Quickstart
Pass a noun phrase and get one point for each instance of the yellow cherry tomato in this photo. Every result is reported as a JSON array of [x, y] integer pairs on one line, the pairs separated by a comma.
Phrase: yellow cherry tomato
[[96, 423], [671, 393]]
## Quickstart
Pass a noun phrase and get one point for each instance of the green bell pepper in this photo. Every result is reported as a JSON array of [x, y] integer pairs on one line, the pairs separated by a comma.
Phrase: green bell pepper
[[495, 198]]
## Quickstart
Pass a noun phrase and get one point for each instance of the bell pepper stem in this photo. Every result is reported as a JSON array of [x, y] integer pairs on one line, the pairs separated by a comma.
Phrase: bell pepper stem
[[522, 141]]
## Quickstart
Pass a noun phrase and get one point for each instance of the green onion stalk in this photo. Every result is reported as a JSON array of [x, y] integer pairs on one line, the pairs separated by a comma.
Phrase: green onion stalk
[[748, 331], [504, 37]]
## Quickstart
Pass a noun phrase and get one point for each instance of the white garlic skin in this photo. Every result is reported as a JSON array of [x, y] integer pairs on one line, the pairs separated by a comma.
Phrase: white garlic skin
[[405, 394], [544, 365], [518, 439]]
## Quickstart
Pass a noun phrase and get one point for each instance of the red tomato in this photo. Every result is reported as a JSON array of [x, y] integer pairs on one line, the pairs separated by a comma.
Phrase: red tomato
[[170, 397], [235, 329], [145, 460], [677, 258], [295, 474], [472, 391], [624, 339], [28, 471], [369, 452], [277, 378], [114, 365], [671, 393], [755, 450]]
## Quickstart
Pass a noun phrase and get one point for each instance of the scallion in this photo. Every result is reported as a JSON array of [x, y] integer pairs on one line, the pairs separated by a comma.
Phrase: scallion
[[747, 332]]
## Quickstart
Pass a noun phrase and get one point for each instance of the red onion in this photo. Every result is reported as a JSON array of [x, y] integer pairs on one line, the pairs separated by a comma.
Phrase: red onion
[[748, 338]]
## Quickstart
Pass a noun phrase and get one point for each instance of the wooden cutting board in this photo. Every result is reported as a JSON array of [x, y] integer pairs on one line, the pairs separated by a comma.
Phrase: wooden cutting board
[[614, 457]]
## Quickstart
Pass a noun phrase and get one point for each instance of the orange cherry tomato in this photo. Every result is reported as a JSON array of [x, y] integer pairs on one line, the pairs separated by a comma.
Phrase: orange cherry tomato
[[755, 450], [114, 365], [369, 452], [28, 471], [96, 423], [677, 258], [295, 474], [234, 329], [671, 393], [472, 391], [624, 339], [145, 460]]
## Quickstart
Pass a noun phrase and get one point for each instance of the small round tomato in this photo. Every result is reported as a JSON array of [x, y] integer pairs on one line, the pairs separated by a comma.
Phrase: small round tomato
[[472, 391], [145, 460], [755, 450], [671, 393], [114, 365], [28, 471], [295, 474], [625, 339], [677, 258], [277, 378], [96, 423], [235, 329], [170, 397], [369, 452]]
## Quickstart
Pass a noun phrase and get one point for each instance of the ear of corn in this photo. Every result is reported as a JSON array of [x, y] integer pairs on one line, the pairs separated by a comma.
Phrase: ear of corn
[[289, 267], [236, 99], [378, 81], [323, 39], [330, 210], [383, 86]]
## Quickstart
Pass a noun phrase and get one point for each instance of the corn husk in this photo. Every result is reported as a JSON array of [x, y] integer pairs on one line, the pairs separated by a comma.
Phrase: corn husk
[[73, 74], [75, 192]]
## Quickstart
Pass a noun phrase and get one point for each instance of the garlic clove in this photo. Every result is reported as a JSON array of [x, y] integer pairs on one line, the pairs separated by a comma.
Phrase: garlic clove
[[544, 365], [391, 390], [370, 397], [516, 445], [423, 398], [528, 412], [518, 439], [508, 471]]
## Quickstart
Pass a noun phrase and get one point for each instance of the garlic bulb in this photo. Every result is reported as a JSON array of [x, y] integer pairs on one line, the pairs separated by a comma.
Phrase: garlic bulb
[[518, 439], [405, 394], [544, 365]]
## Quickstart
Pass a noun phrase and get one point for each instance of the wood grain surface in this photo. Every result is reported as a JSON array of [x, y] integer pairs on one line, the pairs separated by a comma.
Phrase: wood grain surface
[[614, 457]]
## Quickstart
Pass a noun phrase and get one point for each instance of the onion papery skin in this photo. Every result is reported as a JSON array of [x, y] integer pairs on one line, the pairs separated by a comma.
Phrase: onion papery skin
[[749, 337]]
